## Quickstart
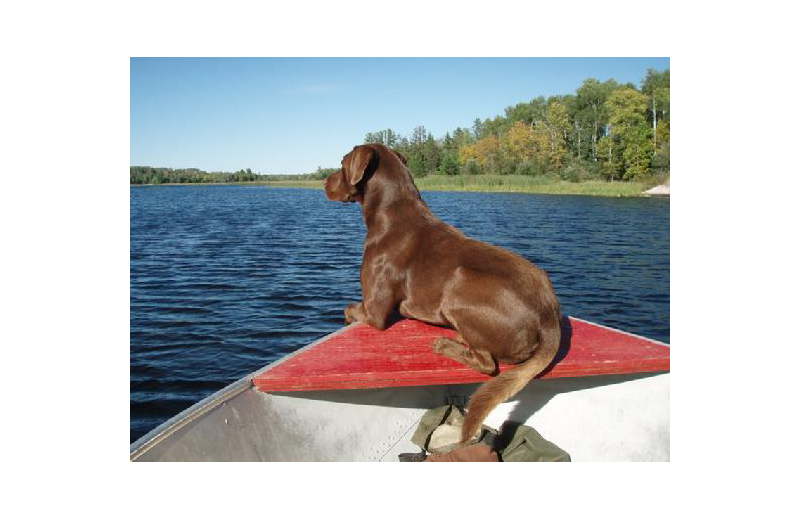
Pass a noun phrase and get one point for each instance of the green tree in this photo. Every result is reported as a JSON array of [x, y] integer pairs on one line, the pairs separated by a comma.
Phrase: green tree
[[656, 87], [590, 109], [627, 110], [477, 129], [414, 151], [496, 127], [557, 127], [661, 154], [387, 137], [637, 153], [449, 165], [471, 167], [610, 157], [416, 165], [462, 137]]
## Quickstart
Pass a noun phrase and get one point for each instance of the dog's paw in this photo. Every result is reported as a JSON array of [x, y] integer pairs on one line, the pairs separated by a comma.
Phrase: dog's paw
[[350, 313]]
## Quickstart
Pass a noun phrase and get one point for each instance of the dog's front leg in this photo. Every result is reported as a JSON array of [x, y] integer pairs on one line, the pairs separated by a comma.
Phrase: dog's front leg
[[375, 310], [360, 312], [379, 283]]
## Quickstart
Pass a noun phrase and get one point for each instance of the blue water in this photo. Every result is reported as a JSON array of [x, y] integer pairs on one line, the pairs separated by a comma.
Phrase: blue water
[[225, 279]]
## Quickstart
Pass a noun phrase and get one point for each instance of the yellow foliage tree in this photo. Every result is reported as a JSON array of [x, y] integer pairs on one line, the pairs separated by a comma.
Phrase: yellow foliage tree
[[485, 151], [540, 143], [517, 143]]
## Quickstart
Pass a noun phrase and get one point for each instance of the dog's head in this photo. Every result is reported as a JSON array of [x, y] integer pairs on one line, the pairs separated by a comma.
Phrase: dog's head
[[347, 184]]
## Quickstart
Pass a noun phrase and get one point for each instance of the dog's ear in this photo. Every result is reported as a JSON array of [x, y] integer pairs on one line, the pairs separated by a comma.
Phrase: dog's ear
[[400, 156], [360, 159]]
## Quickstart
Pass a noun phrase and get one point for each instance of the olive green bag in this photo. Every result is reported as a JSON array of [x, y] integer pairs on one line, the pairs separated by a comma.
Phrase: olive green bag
[[439, 431]]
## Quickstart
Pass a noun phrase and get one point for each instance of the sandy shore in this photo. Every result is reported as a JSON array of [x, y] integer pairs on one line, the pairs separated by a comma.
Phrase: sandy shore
[[660, 190]]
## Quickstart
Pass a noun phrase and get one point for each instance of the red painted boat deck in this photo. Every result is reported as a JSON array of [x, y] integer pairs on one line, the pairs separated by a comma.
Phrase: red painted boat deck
[[362, 357]]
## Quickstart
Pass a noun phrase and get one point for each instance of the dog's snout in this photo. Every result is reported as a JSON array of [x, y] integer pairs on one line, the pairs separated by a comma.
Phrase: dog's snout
[[334, 187]]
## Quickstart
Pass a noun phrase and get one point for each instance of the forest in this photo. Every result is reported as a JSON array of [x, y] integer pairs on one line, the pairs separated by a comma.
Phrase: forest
[[603, 131]]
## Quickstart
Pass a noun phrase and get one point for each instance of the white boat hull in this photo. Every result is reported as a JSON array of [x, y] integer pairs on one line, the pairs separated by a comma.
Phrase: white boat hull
[[597, 418]]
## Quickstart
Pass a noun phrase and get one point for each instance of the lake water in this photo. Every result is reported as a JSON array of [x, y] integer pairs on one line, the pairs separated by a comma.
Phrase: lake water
[[225, 279]]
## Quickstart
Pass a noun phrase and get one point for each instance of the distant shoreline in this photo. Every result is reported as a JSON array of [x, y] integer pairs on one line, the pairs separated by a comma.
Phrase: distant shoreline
[[479, 183]]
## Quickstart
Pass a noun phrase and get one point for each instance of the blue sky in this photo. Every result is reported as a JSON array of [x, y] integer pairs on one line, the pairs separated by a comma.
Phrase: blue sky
[[290, 115]]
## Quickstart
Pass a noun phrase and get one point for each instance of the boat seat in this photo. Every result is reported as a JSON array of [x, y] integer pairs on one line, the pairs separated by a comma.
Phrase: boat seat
[[359, 356]]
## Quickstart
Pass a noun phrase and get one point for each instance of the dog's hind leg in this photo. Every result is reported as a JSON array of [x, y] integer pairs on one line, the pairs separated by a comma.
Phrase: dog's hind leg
[[479, 359]]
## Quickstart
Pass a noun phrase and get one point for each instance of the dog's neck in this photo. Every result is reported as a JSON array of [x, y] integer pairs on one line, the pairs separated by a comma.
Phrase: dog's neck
[[386, 195]]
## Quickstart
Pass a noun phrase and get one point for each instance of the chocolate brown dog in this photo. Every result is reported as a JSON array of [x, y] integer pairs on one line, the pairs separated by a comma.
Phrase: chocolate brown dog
[[502, 306]]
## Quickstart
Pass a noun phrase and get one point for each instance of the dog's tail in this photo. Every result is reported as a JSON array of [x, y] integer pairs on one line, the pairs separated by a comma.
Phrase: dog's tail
[[504, 386]]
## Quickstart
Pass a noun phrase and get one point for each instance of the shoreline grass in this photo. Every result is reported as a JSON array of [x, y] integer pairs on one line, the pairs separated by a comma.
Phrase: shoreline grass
[[489, 183], [527, 184]]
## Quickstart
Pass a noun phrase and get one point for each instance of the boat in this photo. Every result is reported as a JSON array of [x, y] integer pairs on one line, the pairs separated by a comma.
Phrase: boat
[[358, 395]]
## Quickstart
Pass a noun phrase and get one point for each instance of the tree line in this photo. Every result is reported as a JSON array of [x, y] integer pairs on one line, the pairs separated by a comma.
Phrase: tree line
[[150, 175], [604, 130]]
